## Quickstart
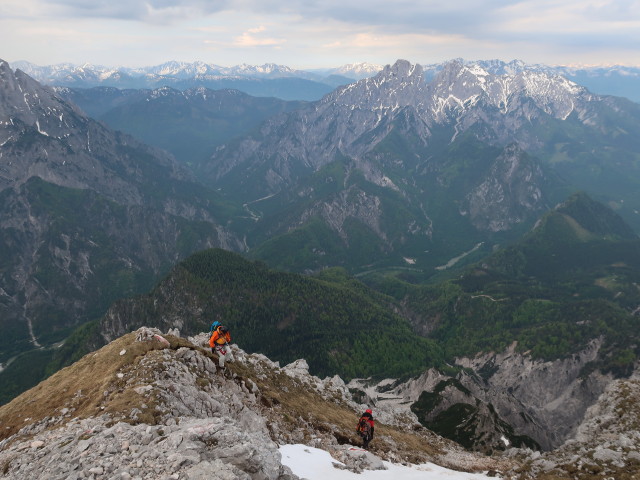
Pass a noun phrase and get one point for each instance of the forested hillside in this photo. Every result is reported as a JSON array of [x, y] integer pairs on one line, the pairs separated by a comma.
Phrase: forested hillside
[[572, 279], [337, 324]]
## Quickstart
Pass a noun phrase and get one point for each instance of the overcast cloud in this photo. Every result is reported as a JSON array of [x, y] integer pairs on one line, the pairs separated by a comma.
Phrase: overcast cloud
[[313, 33]]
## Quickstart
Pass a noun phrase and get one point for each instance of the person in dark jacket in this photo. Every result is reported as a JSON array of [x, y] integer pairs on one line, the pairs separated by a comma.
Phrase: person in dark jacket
[[366, 427]]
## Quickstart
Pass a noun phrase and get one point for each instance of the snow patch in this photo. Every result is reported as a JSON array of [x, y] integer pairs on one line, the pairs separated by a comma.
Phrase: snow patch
[[315, 464]]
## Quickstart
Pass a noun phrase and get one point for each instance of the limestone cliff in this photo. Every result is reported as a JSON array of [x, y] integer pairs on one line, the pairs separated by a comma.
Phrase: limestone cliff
[[501, 400]]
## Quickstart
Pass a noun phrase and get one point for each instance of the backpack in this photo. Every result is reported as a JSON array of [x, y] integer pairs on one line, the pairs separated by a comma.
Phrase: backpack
[[364, 427]]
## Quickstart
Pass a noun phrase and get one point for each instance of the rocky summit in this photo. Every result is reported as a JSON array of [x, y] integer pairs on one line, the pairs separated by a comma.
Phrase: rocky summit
[[157, 406]]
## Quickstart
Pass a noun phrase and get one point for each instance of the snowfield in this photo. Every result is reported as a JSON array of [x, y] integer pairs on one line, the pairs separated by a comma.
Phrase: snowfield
[[315, 464]]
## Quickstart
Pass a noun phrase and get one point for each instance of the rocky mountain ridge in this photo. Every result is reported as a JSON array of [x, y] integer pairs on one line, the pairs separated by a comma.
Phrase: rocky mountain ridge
[[618, 80], [462, 98], [157, 406], [153, 405]]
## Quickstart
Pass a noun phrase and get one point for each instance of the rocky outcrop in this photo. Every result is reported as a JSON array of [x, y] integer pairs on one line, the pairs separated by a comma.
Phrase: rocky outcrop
[[202, 428], [555, 394], [501, 400], [605, 445], [92, 449]]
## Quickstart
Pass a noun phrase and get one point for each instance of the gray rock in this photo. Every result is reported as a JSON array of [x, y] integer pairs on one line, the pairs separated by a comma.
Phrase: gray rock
[[609, 456], [359, 460]]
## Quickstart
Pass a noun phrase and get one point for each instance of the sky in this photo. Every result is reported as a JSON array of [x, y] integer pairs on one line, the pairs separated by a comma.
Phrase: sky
[[319, 33], [315, 464]]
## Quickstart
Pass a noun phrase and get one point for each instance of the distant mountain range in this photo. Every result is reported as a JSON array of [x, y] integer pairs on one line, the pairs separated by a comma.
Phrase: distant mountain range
[[268, 80], [291, 84]]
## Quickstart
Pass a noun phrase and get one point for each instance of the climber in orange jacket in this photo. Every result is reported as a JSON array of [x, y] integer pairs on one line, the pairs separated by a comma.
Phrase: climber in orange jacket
[[220, 343]]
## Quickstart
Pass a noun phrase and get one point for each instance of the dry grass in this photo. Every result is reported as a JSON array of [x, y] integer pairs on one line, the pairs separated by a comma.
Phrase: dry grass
[[87, 388], [293, 403]]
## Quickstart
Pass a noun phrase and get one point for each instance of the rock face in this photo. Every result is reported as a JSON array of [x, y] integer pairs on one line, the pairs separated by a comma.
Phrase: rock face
[[508, 193], [605, 444], [156, 406], [504, 400]]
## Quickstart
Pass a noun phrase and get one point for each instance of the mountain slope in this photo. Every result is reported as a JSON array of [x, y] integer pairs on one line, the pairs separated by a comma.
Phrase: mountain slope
[[567, 282], [579, 235], [87, 215], [470, 155], [519, 343], [189, 124], [545, 323], [330, 320], [161, 399], [42, 135]]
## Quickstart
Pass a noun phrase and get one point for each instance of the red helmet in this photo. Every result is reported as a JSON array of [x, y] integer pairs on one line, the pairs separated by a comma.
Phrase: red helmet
[[368, 410]]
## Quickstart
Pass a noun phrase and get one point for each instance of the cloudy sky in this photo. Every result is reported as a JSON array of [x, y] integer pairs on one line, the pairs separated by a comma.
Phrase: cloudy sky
[[319, 33]]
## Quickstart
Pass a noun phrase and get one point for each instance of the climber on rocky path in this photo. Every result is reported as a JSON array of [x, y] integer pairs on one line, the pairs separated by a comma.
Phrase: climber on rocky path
[[220, 343], [365, 428]]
